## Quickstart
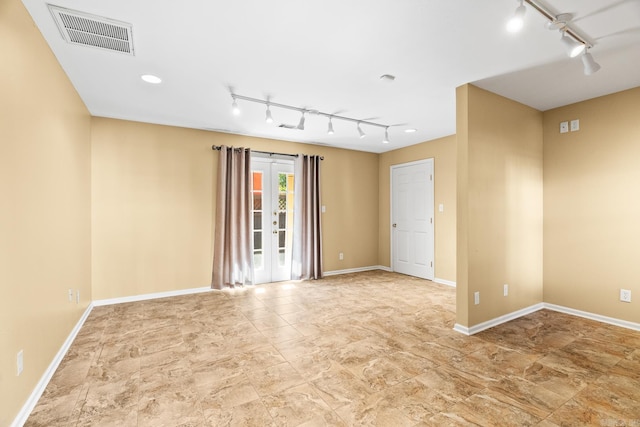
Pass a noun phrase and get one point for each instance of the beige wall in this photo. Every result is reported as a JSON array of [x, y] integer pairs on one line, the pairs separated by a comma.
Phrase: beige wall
[[45, 215], [592, 206], [153, 203], [500, 218], [443, 151], [151, 208]]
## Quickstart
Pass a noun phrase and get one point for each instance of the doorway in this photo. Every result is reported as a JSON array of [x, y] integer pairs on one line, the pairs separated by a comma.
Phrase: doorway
[[412, 229], [272, 214]]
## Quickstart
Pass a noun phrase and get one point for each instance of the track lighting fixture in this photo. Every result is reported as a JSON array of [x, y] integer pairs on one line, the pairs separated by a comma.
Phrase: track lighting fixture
[[303, 112], [234, 107], [268, 118], [573, 42], [386, 135], [590, 64], [301, 122], [573, 47], [516, 23]]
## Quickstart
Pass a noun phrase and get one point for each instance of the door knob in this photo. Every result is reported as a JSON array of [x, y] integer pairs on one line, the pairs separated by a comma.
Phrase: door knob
[[394, 225], [275, 222]]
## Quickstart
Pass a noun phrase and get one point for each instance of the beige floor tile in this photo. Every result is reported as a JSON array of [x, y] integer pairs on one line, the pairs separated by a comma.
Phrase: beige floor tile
[[486, 410], [227, 393], [275, 379], [252, 413], [301, 406], [371, 348]]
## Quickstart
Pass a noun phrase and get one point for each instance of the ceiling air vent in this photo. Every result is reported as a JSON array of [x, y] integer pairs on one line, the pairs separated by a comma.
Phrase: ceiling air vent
[[89, 30]]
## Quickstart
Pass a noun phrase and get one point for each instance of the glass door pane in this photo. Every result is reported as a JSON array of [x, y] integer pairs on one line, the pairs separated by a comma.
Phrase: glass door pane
[[258, 227]]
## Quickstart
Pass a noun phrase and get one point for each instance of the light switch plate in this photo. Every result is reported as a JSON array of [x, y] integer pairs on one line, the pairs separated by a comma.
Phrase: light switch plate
[[575, 125]]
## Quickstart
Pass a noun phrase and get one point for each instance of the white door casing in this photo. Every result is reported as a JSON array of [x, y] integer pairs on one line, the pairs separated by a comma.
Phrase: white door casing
[[412, 216]]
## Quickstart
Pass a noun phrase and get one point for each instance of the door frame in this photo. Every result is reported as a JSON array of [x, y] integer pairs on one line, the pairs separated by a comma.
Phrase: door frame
[[430, 160]]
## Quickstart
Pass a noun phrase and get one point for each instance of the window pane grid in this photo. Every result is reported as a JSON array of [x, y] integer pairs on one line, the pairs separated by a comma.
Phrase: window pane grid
[[258, 256]]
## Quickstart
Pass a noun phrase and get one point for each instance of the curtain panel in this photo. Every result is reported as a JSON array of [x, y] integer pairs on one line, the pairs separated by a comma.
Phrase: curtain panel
[[307, 242], [233, 257]]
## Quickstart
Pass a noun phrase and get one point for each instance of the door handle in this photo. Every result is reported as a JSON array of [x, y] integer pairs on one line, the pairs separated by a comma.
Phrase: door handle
[[394, 225]]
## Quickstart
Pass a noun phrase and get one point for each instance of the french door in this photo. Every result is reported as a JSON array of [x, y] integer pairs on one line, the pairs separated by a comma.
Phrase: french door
[[272, 219], [412, 218]]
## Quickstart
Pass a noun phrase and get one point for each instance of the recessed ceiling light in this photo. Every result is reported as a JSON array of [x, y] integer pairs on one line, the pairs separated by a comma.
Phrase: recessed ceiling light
[[387, 78], [150, 78], [410, 130]]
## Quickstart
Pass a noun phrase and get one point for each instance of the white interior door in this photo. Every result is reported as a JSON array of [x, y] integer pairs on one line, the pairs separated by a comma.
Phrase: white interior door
[[272, 219], [412, 219]]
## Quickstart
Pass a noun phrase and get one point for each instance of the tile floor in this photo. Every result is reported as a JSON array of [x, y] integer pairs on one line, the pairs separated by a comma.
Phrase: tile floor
[[372, 348]]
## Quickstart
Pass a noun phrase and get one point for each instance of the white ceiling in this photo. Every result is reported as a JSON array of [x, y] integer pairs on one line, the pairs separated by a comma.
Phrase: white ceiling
[[328, 56]]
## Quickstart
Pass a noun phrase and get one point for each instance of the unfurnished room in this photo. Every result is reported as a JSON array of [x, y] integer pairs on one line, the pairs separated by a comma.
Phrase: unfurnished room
[[356, 213]]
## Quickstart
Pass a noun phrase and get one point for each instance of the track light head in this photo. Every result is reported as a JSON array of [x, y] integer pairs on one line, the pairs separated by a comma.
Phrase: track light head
[[268, 118], [361, 133], [301, 122], [573, 47], [559, 22], [234, 107], [330, 127], [590, 64], [516, 23], [386, 136]]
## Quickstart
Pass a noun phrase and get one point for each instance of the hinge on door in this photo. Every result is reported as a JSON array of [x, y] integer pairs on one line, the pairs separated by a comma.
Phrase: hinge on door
[[431, 264], [430, 177], [431, 220]]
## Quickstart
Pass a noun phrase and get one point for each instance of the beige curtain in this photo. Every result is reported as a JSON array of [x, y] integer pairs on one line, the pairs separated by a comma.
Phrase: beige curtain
[[307, 229], [233, 258]]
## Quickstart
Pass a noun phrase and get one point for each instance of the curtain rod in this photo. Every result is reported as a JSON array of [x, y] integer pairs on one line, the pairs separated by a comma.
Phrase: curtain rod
[[218, 147]]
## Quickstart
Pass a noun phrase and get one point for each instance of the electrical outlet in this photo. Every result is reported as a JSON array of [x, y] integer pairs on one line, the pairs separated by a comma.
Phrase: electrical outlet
[[505, 289], [625, 295], [77, 296], [564, 127], [20, 362], [341, 256], [476, 298], [70, 295]]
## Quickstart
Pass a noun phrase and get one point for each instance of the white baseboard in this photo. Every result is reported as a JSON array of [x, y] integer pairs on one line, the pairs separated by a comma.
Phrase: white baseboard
[[355, 270], [31, 402], [144, 297], [498, 320], [383, 268], [444, 282], [593, 316], [572, 311]]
